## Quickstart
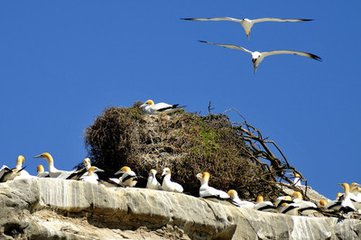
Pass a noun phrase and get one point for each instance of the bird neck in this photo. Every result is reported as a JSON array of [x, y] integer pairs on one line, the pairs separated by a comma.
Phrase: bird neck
[[50, 161], [166, 178], [19, 164]]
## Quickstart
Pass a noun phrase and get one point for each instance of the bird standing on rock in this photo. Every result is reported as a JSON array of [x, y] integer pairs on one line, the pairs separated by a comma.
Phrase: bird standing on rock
[[168, 184], [207, 191], [152, 182], [128, 178]]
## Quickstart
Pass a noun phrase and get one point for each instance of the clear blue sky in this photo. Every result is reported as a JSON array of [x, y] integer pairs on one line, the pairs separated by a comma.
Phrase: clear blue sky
[[63, 62]]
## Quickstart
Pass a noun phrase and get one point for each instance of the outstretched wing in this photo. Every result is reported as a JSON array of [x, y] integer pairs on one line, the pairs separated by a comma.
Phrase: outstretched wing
[[231, 46], [230, 19], [258, 20], [303, 54]]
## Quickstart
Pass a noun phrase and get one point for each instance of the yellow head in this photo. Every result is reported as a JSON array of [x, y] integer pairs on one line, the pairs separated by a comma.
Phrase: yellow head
[[203, 176], [40, 168], [323, 202], [346, 187], [20, 160], [46, 156], [152, 172], [354, 187], [297, 175], [232, 193], [166, 171], [149, 102], [297, 195], [259, 199], [125, 169]]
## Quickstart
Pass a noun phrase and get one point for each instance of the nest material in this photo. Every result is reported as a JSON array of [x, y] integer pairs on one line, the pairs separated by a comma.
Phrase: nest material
[[186, 143]]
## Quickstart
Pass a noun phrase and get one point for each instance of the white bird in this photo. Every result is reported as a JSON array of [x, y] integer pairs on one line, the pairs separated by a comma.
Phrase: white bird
[[257, 57], [168, 184], [207, 191], [355, 195], [282, 199], [92, 177], [150, 107], [334, 205], [305, 208], [41, 171], [246, 23], [53, 171], [152, 182], [289, 209], [77, 174], [297, 180], [235, 200], [265, 206], [128, 178], [17, 172]]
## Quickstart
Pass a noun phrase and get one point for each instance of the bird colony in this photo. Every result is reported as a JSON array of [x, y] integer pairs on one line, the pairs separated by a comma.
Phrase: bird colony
[[346, 204]]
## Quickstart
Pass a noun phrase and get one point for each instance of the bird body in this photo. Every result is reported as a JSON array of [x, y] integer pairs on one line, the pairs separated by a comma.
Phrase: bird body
[[77, 174], [8, 174], [304, 207], [152, 182], [265, 206], [246, 23], [53, 171], [92, 177], [207, 191], [235, 200], [257, 57], [128, 178], [150, 107], [168, 184], [41, 171]]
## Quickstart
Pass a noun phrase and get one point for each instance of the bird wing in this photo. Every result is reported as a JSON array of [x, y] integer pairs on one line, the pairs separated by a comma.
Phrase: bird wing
[[160, 107], [76, 175], [230, 19], [231, 46], [303, 54], [258, 20]]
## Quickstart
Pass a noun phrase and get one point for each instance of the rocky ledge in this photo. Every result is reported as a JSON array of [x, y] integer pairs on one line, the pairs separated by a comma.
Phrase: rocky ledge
[[64, 209]]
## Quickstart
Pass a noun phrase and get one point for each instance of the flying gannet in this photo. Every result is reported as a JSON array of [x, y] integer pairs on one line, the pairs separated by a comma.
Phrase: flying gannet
[[257, 57], [128, 178], [265, 206], [206, 191], [152, 182], [168, 184], [246, 23], [235, 200], [53, 171], [17, 172], [150, 107]]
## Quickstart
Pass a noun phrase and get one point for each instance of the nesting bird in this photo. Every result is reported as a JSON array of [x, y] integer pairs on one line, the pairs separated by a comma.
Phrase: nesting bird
[[53, 171], [150, 107], [168, 184], [152, 182], [246, 23], [257, 57], [92, 177], [235, 200], [206, 191], [17, 172], [128, 178], [41, 171], [265, 206], [304, 207], [77, 174]]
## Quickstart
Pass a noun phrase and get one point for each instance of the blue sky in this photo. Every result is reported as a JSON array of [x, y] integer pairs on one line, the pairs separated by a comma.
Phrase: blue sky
[[63, 62]]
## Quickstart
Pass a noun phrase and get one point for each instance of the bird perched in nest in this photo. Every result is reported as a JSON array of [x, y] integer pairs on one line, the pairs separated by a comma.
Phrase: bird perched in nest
[[235, 200], [91, 175], [168, 184], [150, 107], [305, 208], [152, 182], [17, 172], [265, 206], [128, 178], [41, 171], [77, 174], [206, 191]]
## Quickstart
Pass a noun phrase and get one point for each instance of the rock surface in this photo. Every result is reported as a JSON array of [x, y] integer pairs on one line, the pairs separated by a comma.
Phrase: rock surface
[[64, 209]]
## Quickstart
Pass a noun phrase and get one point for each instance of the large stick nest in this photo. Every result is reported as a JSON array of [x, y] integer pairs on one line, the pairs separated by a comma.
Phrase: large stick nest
[[186, 143]]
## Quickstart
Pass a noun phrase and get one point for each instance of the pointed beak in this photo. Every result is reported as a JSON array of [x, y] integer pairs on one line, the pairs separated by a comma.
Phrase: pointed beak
[[118, 173], [38, 156], [99, 170], [143, 105]]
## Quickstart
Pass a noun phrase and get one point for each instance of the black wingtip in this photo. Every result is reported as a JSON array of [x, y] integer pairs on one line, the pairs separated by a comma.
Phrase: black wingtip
[[186, 18], [306, 19], [202, 41], [313, 56]]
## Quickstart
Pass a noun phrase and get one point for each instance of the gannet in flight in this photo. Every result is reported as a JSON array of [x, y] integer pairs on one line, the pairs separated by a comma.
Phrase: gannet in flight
[[150, 107], [257, 57], [168, 184], [53, 171], [17, 172], [152, 182], [235, 200], [207, 191], [265, 206], [128, 178], [246, 23]]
